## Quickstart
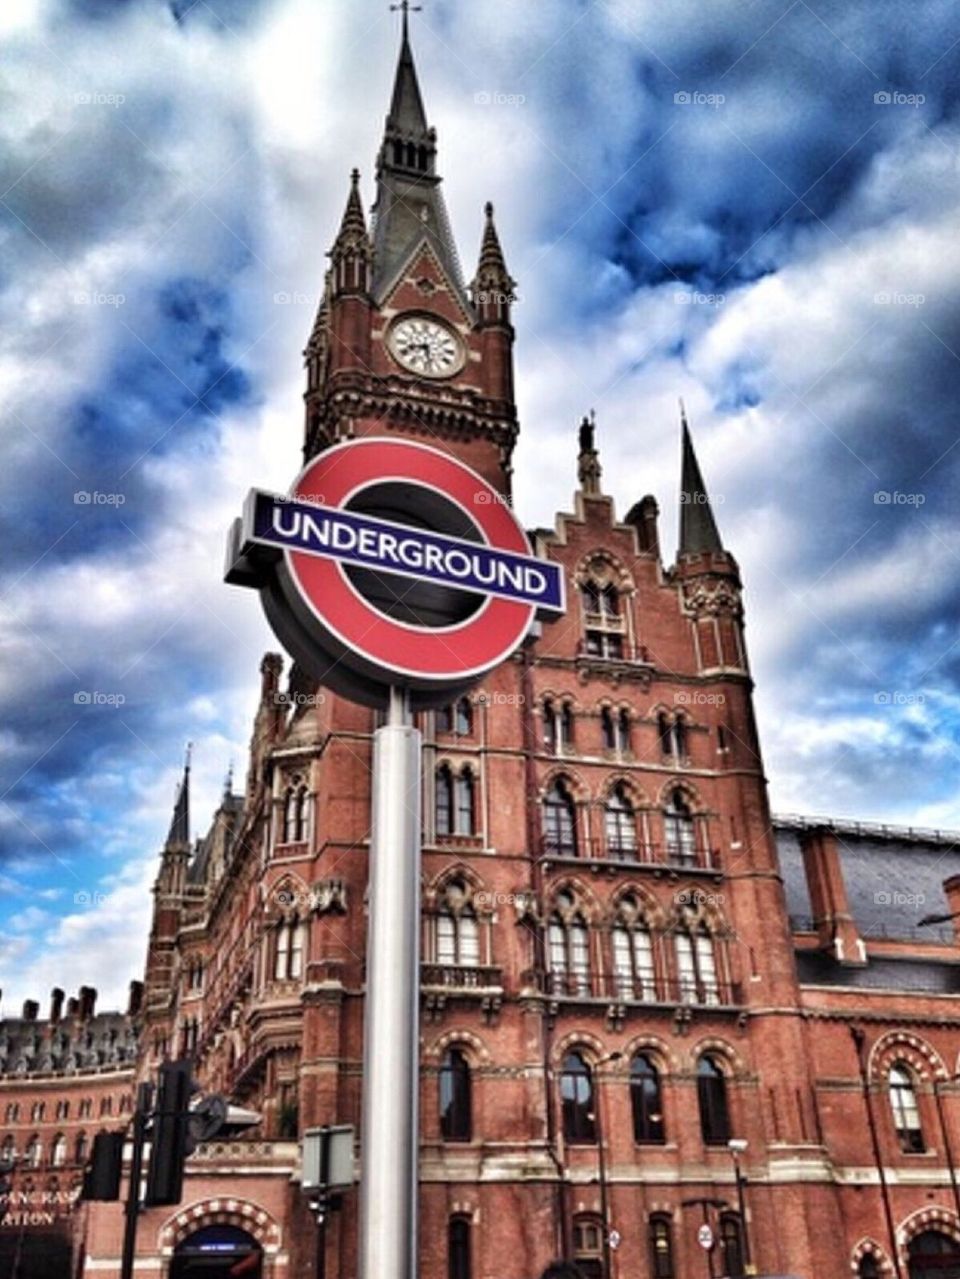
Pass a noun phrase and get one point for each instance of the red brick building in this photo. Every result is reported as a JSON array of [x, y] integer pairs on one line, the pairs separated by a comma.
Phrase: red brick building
[[626, 962]]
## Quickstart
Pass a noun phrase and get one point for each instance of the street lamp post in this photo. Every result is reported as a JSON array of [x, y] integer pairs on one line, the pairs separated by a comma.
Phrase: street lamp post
[[737, 1146], [602, 1168], [706, 1202]]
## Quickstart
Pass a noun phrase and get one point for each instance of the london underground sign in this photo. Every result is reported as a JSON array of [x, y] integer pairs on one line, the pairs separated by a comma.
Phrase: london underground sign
[[391, 563]]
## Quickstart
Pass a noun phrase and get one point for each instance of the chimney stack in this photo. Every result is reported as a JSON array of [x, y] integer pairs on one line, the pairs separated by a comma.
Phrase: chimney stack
[[30, 1009], [135, 1002], [88, 1001], [56, 1005], [834, 923]]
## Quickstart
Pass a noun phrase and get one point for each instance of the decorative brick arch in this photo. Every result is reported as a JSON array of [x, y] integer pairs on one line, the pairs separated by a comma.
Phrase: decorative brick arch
[[579, 790], [868, 1247], [687, 789], [221, 1210], [434, 890], [600, 565], [651, 912], [584, 899], [735, 1064], [592, 1047], [632, 788], [905, 1046], [287, 896], [658, 1048], [931, 1218], [460, 1039]]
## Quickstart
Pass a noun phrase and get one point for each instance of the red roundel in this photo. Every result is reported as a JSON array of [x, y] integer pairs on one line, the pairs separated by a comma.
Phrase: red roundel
[[404, 653]]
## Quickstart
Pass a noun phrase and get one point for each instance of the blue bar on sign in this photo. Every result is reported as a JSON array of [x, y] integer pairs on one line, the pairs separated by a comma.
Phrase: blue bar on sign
[[411, 552]]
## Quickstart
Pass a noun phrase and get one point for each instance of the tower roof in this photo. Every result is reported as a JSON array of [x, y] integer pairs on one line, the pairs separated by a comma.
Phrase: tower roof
[[406, 106], [179, 833], [698, 528]]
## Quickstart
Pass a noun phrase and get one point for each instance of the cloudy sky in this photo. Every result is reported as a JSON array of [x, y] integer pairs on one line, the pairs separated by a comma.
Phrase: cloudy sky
[[751, 204]]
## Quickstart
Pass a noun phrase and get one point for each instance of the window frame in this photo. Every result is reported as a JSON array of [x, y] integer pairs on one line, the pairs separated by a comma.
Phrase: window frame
[[578, 1114], [649, 1123], [713, 1102], [455, 1096], [905, 1106]]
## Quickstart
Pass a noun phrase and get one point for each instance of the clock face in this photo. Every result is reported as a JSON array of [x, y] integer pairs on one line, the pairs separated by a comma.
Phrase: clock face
[[426, 346]]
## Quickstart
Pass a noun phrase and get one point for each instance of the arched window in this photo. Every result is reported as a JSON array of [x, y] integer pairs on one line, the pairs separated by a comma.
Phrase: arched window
[[712, 1100], [443, 793], [633, 964], [557, 726], [455, 1097], [697, 966], [80, 1149], [869, 1267], [457, 933], [458, 1248], [673, 735], [680, 835], [568, 950], [37, 1111], [422, 158], [464, 795], [603, 623], [288, 954], [444, 719], [411, 156], [559, 821], [8, 1151], [731, 1245], [646, 1101], [295, 814], [933, 1254], [620, 826], [906, 1112], [58, 1150], [33, 1152], [661, 1247], [588, 1246], [608, 729], [398, 153], [576, 1099], [463, 717]]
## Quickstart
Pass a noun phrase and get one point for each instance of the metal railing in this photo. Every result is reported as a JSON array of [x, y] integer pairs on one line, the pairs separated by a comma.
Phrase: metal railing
[[867, 830], [637, 854], [461, 976], [638, 990]]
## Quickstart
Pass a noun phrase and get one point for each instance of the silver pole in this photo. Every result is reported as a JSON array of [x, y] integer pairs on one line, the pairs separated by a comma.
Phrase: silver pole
[[391, 1048]]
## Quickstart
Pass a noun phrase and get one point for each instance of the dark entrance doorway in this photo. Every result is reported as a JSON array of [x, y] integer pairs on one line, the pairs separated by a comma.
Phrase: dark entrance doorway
[[218, 1252], [934, 1256]]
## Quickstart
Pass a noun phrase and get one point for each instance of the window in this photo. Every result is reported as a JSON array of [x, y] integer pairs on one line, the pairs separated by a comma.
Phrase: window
[[37, 1111], [697, 966], [615, 730], [457, 936], [646, 1101], [295, 815], [679, 831], [559, 821], [63, 1109], [444, 719], [288, 954], [673, 735], [458, 1248], [86, 1108], [463, 717], [34, 1152], [568, 949], [906, 1112], [869, 1267], [8, 1151], [12, 1112], [603, 622], [731, 1245], [588, 1247], [712, 1100], [80, 1149], [106, 1105], [620, 826], [557, 727], [633, 964], [58, 1150], [443, 792], [463, 791], [455, 1097], [661, 1247], [576, 1098]]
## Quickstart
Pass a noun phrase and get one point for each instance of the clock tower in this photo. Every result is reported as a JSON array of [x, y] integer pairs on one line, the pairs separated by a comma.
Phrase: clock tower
[[401, 345]]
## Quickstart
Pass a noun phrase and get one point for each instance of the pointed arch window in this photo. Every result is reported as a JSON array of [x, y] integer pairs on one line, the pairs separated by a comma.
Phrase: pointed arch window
[[463, 717], [869, 1267], [444, 719], [906, 1111], [455, 1096], [80, 1149], [34, 1152], [58, 1151], [8, 1151], [288, 952], [295, 814], [603, 619], [576, 1098], [712, 1102], [697, 965], [443, 798], [458, 1248], [731, 1245], [633, 963], [465, 802], [559, 821], [568, 951], [680, 832], [646, 1099], [557, 727], [457, 931], [620, 825], [661, 1247], [673, 735]]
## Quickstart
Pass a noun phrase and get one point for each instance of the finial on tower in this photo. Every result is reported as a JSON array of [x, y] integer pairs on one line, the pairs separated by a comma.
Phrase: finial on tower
[[406, 8], [179, 833], [588, 460], [698, 528]]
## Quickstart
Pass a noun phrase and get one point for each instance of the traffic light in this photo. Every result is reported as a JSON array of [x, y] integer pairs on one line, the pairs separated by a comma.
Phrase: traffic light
[[101, 1177], [170, 1134]]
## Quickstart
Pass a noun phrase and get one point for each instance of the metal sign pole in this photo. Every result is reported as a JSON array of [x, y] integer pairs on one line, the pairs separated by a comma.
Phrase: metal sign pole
[[391, 1050]]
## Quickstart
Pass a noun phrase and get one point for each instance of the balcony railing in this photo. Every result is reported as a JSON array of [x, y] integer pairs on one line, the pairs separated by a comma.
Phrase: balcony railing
[[635, 854], [619, 650], [624, 989], [461, 976]]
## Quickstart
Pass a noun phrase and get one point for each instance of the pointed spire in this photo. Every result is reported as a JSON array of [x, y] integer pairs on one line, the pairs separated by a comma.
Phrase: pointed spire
[[352, 251], [588, 460], [492, 289], [354, 222], [179, 833], [406, 106], [698, 528]]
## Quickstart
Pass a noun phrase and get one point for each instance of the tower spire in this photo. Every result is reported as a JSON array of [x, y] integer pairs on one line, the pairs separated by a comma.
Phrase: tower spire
[[179, 833], [698, 528]]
